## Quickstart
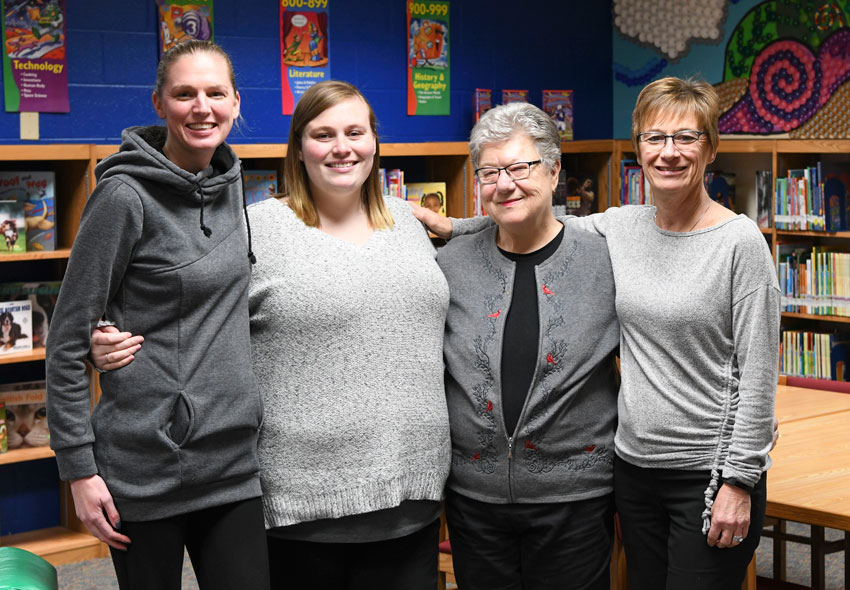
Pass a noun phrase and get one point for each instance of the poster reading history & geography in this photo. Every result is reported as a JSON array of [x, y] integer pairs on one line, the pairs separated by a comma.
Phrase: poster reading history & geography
[[428, 88]]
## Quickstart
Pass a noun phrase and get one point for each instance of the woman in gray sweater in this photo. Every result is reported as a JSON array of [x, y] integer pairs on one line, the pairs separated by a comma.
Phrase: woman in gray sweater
[[168, 457]]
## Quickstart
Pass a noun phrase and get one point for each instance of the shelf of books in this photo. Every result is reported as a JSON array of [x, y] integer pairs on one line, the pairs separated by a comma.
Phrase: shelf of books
[[43, 190]]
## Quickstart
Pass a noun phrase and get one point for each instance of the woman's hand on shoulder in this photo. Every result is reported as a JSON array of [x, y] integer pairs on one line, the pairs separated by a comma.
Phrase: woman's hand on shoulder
[[93, 504], [442, 226], [112, 349]]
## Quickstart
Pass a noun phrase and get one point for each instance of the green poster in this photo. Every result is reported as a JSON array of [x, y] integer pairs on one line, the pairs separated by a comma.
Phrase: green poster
[[428, 87]]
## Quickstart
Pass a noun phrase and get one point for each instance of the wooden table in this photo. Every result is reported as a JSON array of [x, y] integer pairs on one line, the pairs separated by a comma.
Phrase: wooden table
[[809, 481], [797, 403]]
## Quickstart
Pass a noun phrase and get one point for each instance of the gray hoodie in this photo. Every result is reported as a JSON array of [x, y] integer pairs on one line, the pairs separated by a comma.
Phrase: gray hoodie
[[176, 430]]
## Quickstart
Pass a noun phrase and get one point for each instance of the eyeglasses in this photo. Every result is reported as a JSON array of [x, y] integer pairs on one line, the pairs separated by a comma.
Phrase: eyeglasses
[[684, 140], [515, 171]]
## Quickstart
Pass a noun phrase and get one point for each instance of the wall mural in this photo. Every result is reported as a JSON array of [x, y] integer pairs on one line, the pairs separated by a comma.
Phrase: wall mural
[[781, 67]]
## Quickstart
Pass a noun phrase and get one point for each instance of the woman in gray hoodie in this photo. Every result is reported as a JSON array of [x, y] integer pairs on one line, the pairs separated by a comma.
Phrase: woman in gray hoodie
[[168, 458]]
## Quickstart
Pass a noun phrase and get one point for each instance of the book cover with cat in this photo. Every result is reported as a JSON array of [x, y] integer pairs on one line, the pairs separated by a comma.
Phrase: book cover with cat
[[15, 326], [37, 192], [43, 297], [26, 414], [13, 228]]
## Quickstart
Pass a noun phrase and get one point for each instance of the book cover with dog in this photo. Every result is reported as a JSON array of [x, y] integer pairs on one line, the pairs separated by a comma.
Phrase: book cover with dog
[[15, 326], [37, 192], [43, 297], [13, 228], [26, 414]]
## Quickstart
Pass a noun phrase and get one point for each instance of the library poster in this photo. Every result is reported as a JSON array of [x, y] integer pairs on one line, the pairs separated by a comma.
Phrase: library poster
[[428, 87], [182, 20], [35, 72], [304, 56]]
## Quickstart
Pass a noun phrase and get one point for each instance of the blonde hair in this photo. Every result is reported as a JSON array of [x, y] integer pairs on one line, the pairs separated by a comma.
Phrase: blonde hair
[[676, 97], [313, 103]]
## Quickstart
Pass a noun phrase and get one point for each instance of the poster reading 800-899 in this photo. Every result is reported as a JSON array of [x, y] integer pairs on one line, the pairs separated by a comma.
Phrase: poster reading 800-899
[[428, 88], [304, 55]]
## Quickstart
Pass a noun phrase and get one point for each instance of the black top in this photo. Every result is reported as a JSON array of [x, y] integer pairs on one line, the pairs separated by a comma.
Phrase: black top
[[522, 332]]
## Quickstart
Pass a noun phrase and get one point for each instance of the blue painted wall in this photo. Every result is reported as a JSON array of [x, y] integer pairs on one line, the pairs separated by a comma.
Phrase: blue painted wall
[[112, 55]]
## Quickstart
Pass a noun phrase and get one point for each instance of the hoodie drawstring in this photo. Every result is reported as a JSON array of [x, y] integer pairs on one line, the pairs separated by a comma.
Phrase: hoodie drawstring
[[251, 256], [207, 231]]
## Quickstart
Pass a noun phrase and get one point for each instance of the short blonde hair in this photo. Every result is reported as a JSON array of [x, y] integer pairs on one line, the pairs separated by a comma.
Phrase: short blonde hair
[[676, 97], [313, 103]]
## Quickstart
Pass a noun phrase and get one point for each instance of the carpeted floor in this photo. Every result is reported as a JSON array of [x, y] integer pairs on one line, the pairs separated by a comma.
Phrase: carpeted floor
[[97, 574]]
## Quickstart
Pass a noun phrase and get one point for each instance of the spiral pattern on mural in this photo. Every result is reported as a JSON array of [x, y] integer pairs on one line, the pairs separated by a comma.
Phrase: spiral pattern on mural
[[788, 84]]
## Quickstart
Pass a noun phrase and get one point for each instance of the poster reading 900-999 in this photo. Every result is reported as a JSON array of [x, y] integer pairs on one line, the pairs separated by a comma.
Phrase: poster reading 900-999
[[428, 88], [35, 73], [304, 55]]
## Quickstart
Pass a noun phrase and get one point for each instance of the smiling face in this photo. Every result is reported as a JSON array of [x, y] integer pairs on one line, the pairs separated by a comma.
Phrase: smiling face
[[518, 206], [199, 104], [338, 150], [673, 170]]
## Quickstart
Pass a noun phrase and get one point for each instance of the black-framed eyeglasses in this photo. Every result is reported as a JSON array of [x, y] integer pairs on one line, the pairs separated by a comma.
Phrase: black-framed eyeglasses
[[515, 171], [685, 139]]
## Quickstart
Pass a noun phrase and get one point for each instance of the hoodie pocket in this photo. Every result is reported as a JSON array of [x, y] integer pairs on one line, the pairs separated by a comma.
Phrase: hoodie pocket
[[180, 420]]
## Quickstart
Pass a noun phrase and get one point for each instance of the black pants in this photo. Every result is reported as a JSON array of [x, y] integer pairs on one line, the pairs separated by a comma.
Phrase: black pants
[[661, 518], [563, 546], [406, 563], [226, 544]]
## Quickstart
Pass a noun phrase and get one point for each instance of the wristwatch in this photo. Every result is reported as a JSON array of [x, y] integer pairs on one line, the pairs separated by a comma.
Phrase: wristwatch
[[734, 481]]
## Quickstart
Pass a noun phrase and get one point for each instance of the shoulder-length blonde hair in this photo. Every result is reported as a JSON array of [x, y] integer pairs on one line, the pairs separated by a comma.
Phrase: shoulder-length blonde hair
[[313, 103], [673, 96]]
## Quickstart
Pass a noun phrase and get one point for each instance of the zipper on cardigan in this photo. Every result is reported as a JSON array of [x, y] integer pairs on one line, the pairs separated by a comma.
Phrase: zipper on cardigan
[[510, 467]]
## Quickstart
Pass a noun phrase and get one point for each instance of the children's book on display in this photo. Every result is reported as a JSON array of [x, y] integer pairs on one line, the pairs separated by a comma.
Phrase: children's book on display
[[42, 297], [15, 326], [259, 185], [36, 194], [26, 414], [431, 195], [558, 104], [13, 228]]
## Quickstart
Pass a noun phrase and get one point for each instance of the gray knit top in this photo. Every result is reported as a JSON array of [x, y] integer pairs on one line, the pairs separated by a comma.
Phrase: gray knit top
[[699, 325], [347, 342]]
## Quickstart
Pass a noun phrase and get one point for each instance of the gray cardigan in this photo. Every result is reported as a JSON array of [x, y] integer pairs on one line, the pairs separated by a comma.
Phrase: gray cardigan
[[563, 447]]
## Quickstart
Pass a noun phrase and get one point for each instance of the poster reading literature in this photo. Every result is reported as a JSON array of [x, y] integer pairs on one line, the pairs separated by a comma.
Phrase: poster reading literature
[[304, 56], [35, 73], [182, 20], [428, 88]]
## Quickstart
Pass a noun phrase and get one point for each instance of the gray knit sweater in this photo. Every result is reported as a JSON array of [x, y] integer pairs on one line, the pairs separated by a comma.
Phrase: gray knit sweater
[[699, 322], [347, 343]]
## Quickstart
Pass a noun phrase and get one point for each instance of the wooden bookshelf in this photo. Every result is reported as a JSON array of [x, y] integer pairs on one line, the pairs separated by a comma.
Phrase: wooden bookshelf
[[58, 545], [37, 354], [30, 454]]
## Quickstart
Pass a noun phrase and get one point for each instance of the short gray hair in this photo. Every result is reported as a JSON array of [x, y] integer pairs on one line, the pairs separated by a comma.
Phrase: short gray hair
[[502, 122]]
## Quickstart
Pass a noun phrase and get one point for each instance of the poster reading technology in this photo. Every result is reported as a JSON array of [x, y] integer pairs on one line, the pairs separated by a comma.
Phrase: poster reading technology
[[35, 72]]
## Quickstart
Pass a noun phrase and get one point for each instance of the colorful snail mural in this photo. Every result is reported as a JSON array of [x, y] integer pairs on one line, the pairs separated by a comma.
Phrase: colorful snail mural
[[785, 66]]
